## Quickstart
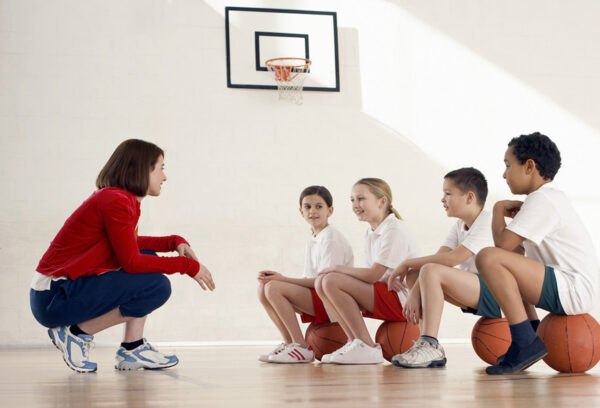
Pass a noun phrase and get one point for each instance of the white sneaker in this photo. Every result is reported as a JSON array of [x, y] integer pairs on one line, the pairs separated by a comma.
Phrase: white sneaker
[[359, 353], [326, 358], [293, 353], [421, 355], [265, 357], [144, 356]]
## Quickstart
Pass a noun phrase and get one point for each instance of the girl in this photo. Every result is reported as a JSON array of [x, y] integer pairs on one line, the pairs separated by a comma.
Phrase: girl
[[348, 291], [79, 290], [283, 297]]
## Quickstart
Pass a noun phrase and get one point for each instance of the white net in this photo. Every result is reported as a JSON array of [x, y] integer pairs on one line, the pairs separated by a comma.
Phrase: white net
[[289, 74]]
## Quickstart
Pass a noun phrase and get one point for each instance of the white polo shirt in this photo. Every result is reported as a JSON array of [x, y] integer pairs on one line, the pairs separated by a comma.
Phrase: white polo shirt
[[555, 236], [391, 243], [328, 248], [476, 238]]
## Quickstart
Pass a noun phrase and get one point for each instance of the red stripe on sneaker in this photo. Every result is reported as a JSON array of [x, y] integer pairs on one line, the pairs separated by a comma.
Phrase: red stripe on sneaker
[[300, 354]]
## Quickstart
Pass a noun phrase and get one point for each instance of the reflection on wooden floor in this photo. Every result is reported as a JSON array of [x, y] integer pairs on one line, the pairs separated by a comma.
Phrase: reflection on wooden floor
[[232, 377]]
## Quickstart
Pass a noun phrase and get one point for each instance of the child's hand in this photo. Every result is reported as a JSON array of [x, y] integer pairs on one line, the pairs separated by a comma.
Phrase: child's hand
[[204, 278], [510, 207], [266, 276], [185, 250], [412, 308], [397, 277]]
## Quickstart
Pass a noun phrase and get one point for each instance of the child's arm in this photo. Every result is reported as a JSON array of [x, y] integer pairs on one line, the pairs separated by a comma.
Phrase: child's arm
[[444, 256], [369, 275], [266, 276], [504, 238]]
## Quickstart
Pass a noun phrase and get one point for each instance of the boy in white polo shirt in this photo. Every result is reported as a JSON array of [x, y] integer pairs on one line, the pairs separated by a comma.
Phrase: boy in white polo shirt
[[450, 274], [559, 271]]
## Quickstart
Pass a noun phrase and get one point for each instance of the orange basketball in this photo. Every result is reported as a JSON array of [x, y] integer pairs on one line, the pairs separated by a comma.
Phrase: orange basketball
[[396, 337], [490, 338], [325, 338], [573, 342]]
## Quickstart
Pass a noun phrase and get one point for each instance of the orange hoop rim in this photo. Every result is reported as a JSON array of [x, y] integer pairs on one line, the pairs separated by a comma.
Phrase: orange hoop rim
[[270, 63]]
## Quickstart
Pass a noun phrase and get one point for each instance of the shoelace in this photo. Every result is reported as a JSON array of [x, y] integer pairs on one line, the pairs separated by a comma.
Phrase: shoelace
[[87, 346], [344, 349]]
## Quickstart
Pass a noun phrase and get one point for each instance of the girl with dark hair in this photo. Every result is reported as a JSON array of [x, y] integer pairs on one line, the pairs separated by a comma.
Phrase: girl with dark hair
[[283, 297], [98, 272]]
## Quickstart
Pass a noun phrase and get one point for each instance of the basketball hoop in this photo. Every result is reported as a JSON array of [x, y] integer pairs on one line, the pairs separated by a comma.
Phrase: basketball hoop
[[290, 74]]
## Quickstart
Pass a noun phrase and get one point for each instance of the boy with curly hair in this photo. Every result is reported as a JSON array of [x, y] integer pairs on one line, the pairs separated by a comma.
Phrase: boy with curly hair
[[559, 271]]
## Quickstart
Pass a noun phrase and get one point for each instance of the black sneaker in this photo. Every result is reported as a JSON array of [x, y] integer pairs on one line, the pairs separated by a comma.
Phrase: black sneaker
[[518, 359]]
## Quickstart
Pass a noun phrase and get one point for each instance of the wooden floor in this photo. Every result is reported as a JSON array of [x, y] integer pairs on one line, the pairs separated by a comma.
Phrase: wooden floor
[[232, 377]]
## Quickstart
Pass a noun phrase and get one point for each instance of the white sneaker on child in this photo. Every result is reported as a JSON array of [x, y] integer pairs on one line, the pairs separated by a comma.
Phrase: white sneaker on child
[[359, 353], [265, 357], [293, 353], [326, 358], [421, 355]]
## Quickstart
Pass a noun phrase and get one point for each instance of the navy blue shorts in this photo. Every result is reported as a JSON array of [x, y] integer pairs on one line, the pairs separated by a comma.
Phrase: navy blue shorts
[[75, 301]]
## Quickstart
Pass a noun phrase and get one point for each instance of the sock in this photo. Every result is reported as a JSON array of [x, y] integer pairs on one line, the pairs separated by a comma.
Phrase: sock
[[522, 333], [75, 330], [535, 324], [431, 340], [133, 344]]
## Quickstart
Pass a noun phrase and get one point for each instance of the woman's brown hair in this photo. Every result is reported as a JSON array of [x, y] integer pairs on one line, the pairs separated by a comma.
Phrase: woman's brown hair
[[129, 166]]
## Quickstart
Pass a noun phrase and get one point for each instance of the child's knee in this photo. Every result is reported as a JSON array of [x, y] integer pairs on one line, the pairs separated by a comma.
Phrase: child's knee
[[329, 283], [429, 271], [272, 290], [485, 258]]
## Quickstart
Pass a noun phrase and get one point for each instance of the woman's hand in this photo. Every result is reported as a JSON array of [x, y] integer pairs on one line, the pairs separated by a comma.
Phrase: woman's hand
[[204, 278], [186, 250], [396, 278], [412, 308]]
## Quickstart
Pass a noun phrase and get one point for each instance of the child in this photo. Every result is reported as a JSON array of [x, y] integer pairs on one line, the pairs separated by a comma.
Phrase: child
[[559, 272], [283, 297], [450, 274], [79, 290], [346, 291]]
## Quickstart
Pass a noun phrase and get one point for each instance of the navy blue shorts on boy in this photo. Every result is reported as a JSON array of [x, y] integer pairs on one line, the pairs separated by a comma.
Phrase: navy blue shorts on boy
[[75, 301]]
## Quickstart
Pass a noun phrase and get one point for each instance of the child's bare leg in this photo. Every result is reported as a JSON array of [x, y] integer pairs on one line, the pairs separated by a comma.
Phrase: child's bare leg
[[285, 334], [286, 298], [349, 295], [331, 309], [513, 279], [530, 310], [439, 283], [134, 329], [105, 321], [411, 277]]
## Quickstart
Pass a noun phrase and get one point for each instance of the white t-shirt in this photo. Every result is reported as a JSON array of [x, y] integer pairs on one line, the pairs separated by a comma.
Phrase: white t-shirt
[[390, 244], [555, 236], [328, 248], [476, 238]]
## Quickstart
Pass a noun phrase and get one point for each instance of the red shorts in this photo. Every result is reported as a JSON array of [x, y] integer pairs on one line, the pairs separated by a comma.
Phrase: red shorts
[[320, 313], [387, 304]]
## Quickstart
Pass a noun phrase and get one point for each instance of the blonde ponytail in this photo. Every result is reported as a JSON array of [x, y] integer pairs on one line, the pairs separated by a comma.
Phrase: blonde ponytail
[[379, 188]]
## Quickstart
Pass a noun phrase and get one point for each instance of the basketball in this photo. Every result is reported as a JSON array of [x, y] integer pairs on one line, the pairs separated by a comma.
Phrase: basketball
[[325, 338], [490, 338], [573, 342], [396, 337]]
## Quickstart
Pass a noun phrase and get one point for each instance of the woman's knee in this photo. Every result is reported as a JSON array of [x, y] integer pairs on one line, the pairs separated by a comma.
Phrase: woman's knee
[[162, 288]]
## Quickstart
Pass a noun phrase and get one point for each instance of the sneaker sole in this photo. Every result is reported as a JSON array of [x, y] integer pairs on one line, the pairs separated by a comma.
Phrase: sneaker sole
[[356, 363], [133, 366], [291, 362], [432, 364]]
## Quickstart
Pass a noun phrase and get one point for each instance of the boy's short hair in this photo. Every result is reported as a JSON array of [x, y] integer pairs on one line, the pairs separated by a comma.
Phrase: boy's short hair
[[541, 150], [470, 179]]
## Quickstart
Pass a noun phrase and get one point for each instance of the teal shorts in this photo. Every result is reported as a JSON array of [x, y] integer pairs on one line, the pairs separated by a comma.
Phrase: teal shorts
[[549, 299], [488, 306]]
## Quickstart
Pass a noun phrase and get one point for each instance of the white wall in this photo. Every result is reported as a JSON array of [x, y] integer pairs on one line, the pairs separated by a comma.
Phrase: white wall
[[426, 87]]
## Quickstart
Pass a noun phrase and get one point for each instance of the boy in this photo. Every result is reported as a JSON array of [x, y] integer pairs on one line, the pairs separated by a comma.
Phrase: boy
[[450, 274], [559, 272]]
